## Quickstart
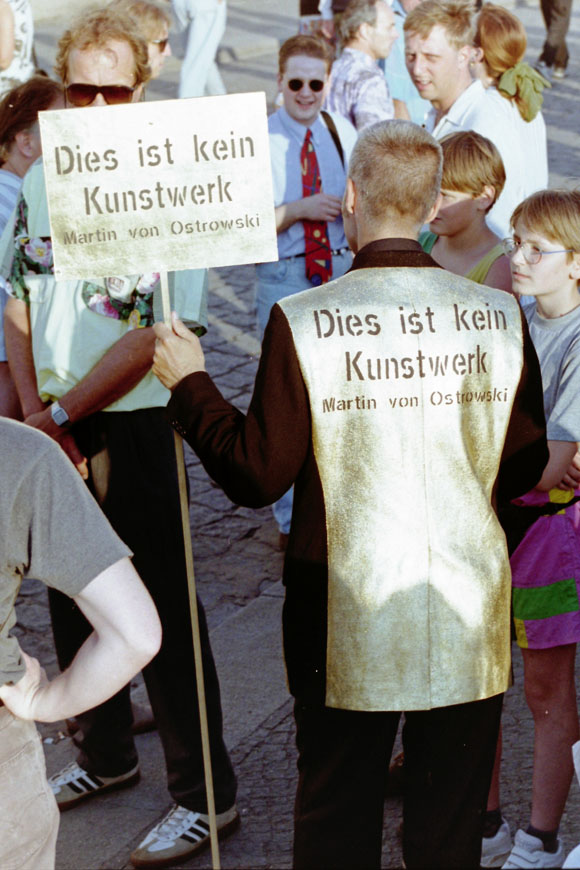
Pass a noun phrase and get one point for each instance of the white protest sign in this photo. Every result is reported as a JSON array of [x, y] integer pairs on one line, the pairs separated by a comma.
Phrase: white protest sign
[[169, 185]]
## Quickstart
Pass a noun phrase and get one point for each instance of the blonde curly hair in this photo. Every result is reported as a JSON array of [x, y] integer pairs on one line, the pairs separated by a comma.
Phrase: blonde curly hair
[[97, 29]]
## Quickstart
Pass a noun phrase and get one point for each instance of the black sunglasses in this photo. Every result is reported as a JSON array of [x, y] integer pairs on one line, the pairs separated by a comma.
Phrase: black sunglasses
[[162, 43], [83, 95], [315, 85]]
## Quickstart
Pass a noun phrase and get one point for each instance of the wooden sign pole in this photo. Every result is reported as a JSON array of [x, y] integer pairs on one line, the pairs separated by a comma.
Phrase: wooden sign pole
[[166, 303]]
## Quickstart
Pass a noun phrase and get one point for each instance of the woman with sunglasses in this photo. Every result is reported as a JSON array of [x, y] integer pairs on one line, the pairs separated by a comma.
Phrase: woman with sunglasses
[[153, 23], [545, 264]]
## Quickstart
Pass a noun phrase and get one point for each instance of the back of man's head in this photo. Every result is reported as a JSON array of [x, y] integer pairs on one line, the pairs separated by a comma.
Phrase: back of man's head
[[304, 46], [454, 16], [396, 169], [97, 29], [148, 16], [356, 13]]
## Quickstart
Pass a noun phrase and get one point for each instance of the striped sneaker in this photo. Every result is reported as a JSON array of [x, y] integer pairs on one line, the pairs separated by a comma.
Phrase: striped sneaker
[[73, 784], [179, 835]]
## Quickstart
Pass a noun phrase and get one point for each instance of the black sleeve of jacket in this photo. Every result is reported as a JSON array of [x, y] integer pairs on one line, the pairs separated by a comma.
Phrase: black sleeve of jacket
[[525, 452], [254, 458]]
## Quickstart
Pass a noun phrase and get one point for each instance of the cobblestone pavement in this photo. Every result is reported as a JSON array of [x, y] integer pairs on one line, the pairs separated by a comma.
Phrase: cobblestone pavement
[[235, 548]]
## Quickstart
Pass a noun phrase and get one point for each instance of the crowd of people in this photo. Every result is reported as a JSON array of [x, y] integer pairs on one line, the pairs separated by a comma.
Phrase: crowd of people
[[410, 171]]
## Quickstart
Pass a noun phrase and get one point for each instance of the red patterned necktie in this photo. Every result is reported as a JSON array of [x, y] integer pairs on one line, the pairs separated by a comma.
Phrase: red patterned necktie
[[316, 244]]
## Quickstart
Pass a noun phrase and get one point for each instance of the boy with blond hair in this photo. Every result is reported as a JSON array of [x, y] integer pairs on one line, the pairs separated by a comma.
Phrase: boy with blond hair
[[459, 238]]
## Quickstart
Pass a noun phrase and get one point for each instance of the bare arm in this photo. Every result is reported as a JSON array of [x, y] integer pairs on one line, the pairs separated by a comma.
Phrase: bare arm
[[116, 373], [571, 479], [561, 455], [320, 207], [6, 35], [499, 275], [126, 636], [19, 352]]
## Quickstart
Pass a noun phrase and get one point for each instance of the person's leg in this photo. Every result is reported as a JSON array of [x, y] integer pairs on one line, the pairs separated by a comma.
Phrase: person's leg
[[343, 759], [29, 817], [561, 12], [493, 799], [143, 505], [449, 754], [104, 738], [551, 696], [556, 15], [214, 84], [497, 840], [206, 29], [171, 685]]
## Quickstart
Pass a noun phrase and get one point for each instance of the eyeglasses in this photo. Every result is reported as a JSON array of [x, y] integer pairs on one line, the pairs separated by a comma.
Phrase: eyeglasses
[[315, 85], [531, 253], [83, 95], [162, 43]]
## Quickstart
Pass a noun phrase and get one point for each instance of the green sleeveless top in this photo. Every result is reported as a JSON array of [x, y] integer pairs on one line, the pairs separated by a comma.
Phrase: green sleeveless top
[[481, 268]]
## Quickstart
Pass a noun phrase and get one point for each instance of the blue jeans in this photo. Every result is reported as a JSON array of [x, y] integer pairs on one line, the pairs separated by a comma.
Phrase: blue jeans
[[275, 282]]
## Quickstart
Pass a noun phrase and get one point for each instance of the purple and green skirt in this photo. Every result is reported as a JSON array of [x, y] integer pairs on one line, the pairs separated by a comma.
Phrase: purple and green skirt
[[546, 575]]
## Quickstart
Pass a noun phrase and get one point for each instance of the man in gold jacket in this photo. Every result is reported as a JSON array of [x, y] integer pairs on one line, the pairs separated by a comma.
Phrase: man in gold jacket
[[404, 403]]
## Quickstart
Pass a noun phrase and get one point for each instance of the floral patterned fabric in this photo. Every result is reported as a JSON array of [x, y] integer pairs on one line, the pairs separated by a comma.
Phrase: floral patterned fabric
[[122, 298]]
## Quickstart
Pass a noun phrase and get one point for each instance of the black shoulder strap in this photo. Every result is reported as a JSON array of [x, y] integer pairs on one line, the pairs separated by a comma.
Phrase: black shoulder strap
[[334, 133]]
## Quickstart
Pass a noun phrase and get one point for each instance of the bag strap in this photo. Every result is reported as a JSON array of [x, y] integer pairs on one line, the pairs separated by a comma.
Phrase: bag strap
[[334, 133]]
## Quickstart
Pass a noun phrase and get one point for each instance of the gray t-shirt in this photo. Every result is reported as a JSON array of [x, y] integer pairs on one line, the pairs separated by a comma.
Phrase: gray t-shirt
[[557, 343], [51, 528]]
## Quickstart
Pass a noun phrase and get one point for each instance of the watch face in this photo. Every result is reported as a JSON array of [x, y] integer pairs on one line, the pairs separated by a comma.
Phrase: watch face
[[59, 415]]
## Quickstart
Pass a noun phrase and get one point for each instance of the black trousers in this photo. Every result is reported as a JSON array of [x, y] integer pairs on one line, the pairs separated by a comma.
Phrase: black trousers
[[134, 478], [343, 766], [556, 15]]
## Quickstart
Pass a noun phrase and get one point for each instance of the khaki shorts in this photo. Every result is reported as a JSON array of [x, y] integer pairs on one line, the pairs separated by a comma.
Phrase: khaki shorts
[[28, 812]]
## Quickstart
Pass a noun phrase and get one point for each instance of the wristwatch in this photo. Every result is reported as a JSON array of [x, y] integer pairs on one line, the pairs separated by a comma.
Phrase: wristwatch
[[59, 415]]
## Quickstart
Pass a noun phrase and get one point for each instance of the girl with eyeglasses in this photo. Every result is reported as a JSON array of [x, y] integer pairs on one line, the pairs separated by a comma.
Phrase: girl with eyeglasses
[[545, 263]]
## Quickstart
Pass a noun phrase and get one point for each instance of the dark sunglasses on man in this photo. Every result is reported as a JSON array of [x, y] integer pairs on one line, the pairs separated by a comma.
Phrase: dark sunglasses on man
[[315, 85], [78, 94]]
